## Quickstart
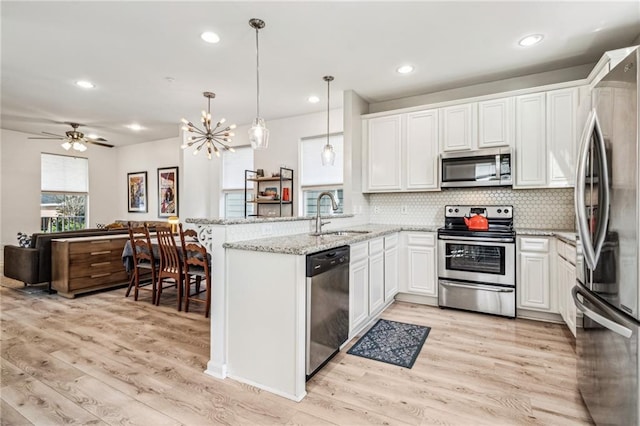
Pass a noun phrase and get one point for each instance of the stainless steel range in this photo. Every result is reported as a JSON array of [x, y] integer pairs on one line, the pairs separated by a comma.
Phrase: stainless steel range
[[477, 260]]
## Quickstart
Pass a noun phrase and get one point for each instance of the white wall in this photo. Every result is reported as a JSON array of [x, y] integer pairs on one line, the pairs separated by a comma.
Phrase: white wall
[[284, 144], [147, 157], [355, 201], [20, 183], [527, 81]]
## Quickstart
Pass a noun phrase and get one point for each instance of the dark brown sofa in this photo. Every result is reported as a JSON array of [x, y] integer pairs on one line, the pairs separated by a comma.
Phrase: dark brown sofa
[[32, 265]]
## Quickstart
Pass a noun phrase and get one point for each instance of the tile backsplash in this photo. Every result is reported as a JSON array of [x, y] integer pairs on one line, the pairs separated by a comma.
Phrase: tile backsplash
[[533, 208]]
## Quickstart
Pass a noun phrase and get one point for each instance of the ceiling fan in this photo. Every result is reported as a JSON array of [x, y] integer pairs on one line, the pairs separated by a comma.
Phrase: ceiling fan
[[75, 139]]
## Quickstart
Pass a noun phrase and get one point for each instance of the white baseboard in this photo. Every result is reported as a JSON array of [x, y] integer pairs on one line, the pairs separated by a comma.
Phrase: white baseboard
[[539, 316], [216, 370], [296, 398]]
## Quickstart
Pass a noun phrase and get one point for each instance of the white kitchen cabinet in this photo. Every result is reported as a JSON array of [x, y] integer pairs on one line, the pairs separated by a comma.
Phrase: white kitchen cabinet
[[373, 279], [534, 275], [358, 286], [565, 279], [530, 144], [422, 151], [391, 271], [496, 123], [562, 107], [401, 152], [376, 275], [422, 273], [384, 152], [459, 127]]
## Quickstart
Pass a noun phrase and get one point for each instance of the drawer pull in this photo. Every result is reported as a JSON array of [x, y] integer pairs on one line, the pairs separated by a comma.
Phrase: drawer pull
[[94, 253], [100, 241], [106, 274], [100, 264]]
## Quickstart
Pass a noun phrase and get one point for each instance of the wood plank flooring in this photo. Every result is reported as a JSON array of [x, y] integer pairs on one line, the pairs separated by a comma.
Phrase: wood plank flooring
[[106, 359]]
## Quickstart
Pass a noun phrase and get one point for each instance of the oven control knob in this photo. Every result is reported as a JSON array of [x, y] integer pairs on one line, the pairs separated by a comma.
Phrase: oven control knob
[[457, 210], [450, 210], [500, 211], [506, 210]]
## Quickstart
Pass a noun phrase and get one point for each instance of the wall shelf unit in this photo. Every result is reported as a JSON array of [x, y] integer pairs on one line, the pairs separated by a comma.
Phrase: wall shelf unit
[[271, 196]]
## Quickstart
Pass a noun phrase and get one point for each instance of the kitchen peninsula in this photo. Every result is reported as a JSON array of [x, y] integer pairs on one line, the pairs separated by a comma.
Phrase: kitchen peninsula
[[214, 233]]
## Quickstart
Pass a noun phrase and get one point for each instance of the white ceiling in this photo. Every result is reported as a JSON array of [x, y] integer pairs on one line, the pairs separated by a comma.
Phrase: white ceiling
[[128, 49]]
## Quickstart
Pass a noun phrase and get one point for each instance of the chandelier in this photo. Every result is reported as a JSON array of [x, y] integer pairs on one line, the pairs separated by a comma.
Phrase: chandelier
[[258, 133], [328, 154], [210, 136]]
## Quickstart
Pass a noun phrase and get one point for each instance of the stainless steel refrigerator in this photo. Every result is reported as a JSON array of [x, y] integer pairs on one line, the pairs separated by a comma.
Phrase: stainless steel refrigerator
[[607, 269]]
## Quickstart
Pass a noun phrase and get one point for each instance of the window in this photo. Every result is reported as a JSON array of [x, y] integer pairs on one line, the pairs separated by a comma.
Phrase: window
[[64, 185], [233, 166], [316, 178]]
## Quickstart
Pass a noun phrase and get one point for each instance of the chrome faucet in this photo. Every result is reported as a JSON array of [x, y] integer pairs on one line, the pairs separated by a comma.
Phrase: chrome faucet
[[334, 206]]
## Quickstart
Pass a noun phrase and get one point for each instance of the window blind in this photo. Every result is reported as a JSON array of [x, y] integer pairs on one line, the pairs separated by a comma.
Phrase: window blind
[[59, 173], [233, 166], [313, 172]]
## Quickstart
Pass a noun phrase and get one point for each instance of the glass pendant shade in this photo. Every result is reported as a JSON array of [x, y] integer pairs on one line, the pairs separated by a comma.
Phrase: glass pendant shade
[[259, 134], [328, 155], [66, 145]]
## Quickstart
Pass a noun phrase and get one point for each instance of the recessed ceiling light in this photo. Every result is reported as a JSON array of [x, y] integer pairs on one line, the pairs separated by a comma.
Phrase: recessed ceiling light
[[313, 99], [405, 69], [85, 84], [135, 126], [530, 40], [210, 37]]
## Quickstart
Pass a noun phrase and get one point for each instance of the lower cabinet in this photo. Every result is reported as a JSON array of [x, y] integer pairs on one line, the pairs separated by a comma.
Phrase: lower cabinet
[[376, 274], [422, 272], [565, 278], [534, 275], [373, 279], [358, 286], [391, 271]]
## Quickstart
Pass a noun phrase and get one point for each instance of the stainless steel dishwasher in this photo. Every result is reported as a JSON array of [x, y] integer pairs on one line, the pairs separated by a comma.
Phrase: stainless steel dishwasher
[[327, 305]]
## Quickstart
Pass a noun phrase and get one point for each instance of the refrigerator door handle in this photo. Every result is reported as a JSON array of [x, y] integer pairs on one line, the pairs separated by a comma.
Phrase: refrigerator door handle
[[604, 188], [579, 192], [605, 322]]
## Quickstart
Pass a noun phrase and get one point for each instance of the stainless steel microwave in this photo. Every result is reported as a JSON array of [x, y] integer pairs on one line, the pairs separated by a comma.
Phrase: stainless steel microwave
[[484, 167]]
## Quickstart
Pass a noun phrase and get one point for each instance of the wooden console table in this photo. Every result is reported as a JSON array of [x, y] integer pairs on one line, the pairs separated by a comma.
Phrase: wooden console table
[[83, 264]]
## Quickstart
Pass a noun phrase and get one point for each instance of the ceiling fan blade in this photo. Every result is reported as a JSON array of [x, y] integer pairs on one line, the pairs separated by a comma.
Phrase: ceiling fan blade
[[52, 134], [99, 143], [42, 137], [96, 139]]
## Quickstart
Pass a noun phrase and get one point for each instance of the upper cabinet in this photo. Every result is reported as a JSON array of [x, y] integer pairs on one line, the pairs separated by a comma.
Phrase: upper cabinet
[[422, 150], [458, 124], [531, 143], [384, 153], [496, 124], [562, 106], [401, 152], [547, 139]]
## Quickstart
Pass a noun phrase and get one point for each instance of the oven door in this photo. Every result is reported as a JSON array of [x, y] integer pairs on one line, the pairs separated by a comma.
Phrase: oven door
[[479, 260]]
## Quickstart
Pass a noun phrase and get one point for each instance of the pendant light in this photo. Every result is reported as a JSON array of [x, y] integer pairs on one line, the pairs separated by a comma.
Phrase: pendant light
[[258, 133], [209, 136], [328, 154]]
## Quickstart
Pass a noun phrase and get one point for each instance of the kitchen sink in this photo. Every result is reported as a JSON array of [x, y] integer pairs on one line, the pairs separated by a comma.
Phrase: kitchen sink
[[343, 233]]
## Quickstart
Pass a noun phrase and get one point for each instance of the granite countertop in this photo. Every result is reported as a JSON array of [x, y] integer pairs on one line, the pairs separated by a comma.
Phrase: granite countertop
[[246, 220], [566, 235], [303, 244]]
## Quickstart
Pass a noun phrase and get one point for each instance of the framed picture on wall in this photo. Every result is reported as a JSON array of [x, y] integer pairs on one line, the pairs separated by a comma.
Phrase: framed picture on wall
[[168, 192], [137, 192]]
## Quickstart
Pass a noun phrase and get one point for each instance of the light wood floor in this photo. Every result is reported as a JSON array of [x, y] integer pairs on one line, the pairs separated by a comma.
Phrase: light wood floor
[[105, 359]]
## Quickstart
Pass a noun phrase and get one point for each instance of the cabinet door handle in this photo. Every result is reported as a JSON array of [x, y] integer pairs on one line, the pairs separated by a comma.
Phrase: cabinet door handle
[[94, 253], [106, 274], [100, 264]]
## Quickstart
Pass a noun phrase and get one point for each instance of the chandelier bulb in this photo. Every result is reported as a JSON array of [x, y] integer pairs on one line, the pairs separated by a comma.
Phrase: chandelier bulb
[[233, 126], [205, 137]]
